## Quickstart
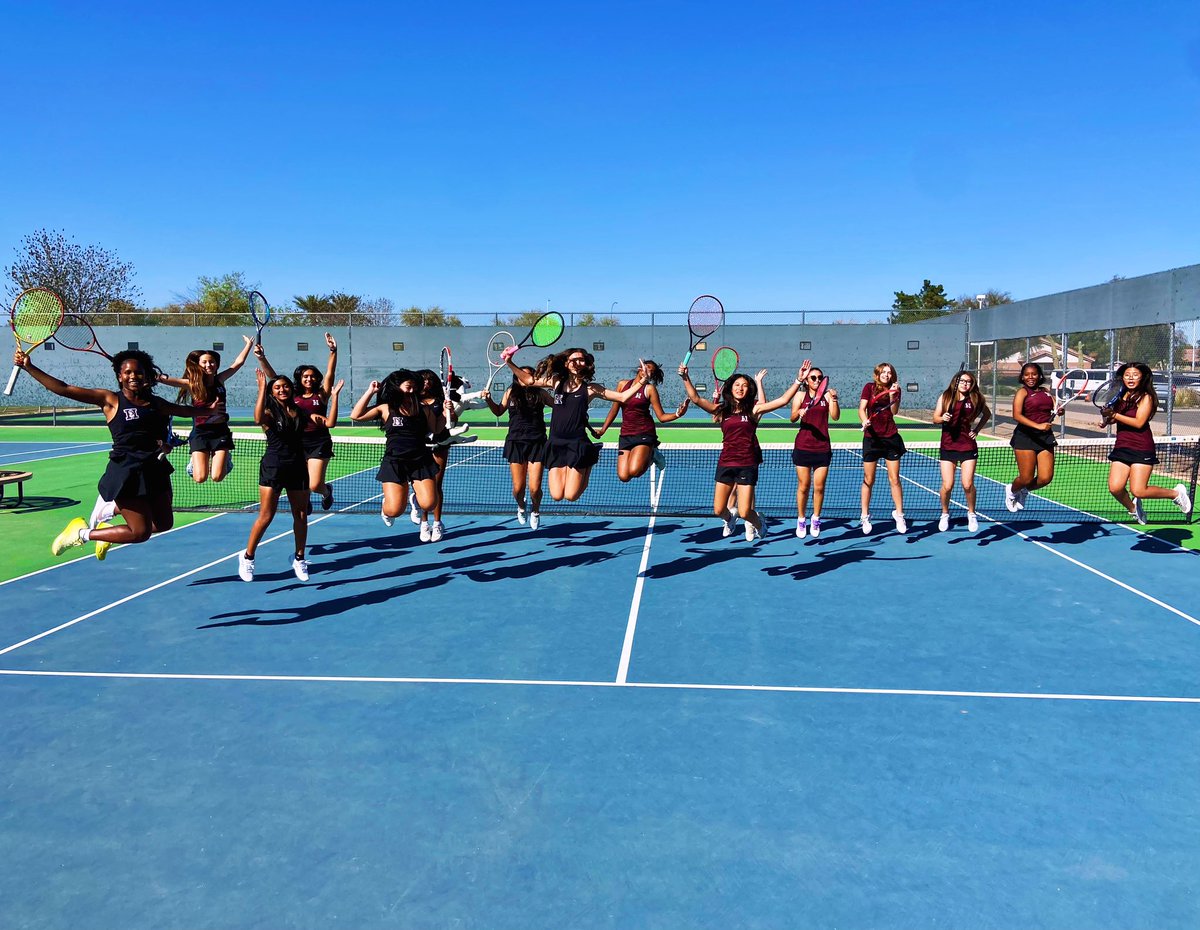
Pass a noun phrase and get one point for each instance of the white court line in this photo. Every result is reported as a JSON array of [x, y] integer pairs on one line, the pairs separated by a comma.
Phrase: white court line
[[154, 587], [644, 685], [58, 455], [631, 624], [61, 448], [1062, 555]]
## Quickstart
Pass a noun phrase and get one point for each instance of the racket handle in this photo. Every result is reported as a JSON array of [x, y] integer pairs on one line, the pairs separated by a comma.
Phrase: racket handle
[[12, 380], [687, 358]]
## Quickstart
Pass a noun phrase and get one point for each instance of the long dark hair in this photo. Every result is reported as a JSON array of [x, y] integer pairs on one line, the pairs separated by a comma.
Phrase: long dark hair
[[1146, 386], [393, 398], [657, 376], [524, 398], [319, 391], [560, 370], [285, 418], [429, 385], [197, 389], [975, 397], [730, 405], [152, 371]]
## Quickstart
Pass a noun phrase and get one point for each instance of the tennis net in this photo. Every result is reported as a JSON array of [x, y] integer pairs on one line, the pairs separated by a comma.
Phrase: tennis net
[[478, 482]]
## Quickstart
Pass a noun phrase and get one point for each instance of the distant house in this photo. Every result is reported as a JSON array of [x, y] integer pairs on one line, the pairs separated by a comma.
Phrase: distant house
[[1048, 354]]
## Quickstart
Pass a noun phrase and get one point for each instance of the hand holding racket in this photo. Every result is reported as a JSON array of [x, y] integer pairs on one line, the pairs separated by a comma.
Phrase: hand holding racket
[[872, 411], [704, 318], [1107, 396], [36, 315], [260, 311]]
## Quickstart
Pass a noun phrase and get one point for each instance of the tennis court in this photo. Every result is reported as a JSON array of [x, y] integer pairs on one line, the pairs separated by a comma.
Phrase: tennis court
[[618, 720]]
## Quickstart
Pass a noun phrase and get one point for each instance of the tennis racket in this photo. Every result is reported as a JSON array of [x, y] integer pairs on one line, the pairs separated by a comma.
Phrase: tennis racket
[[547, 329], [704, 318], [822, 387], [1063, 390], [872, 412], [36, 315], [724, 365], [260, 311], [962, 370], [446, 369], [1108, 395], [498, 342], [76, 334]]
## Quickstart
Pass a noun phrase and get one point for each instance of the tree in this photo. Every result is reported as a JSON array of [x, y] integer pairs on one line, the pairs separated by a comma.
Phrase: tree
[[526, 319], [991, 298], [931, 301], [88, 278], [589, 319], [431, 316]]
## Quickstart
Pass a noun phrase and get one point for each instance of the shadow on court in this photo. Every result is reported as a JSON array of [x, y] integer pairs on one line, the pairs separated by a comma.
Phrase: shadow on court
[[36, 504], [825, 562], [326, 608]]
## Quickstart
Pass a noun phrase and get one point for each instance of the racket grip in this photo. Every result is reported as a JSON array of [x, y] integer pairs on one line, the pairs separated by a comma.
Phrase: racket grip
[[687, 358], [12, 380]]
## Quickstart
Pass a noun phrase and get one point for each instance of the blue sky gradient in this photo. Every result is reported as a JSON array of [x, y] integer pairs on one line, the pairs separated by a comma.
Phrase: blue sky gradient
[[489, 157]]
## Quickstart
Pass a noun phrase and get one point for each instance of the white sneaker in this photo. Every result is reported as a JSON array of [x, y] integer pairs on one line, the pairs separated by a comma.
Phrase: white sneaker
[[752, 532], [534, 518], [462, 439], [901, 523], [1021, 496], [801, 528], [1182, 500], [437, 531], [245, 567], [815, 526], [660, 460], [972, 523], [414, 513], [425, 532], [459, 429], [1139, 512], [387, 521], [300, 567], [521, 515], [189, 468], [866, 524], [943, 523], [1010, 499], [727, 526]]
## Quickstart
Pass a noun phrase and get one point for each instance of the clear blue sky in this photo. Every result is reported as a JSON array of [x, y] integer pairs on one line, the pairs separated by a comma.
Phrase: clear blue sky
[[490, 156]]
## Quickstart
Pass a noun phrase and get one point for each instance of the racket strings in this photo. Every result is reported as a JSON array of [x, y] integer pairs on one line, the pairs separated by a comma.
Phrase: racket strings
[[36, 315], [705, 315], [547, 330]]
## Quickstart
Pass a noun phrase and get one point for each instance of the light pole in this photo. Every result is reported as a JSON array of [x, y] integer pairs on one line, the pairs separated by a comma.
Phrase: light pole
[[612, 307], [980, 299]]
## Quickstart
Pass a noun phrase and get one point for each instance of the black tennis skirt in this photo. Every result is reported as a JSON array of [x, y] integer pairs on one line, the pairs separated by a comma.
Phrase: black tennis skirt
[[737, 474], [318, 444], [127, 477], [210, 439], [416, 466], [625, 443], [282, 476], [1132, 457], [808, 458], [1028, 440], [524, 451], [571, 453], [883, 447]]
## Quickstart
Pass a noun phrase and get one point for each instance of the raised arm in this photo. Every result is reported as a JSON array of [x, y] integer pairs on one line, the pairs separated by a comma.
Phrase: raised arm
[[261, 416], [239, 361], [618, 397], [704, 404], [261, 354], [497, 408], [612, 415], [330, 366], [97, 397], [363, 410], [784, 398], [329, 420]]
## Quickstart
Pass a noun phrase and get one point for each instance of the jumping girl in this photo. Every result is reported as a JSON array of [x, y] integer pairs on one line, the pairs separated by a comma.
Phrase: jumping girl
[[407, 424], [137, 479], [738, 413], [433, 395], [282, 468], [1133, 457], [525, 444], [313, 394], [961, 412], [638, 444], [203, 386], [1033, 437], [812, 452], [877, 408], [568, 388]]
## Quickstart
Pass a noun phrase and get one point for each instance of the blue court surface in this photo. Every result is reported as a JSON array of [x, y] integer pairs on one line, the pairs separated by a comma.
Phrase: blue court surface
[[611, 722]]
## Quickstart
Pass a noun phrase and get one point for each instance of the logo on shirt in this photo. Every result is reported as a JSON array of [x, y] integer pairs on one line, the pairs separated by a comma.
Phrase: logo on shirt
[[398, 421], [132, 413]]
